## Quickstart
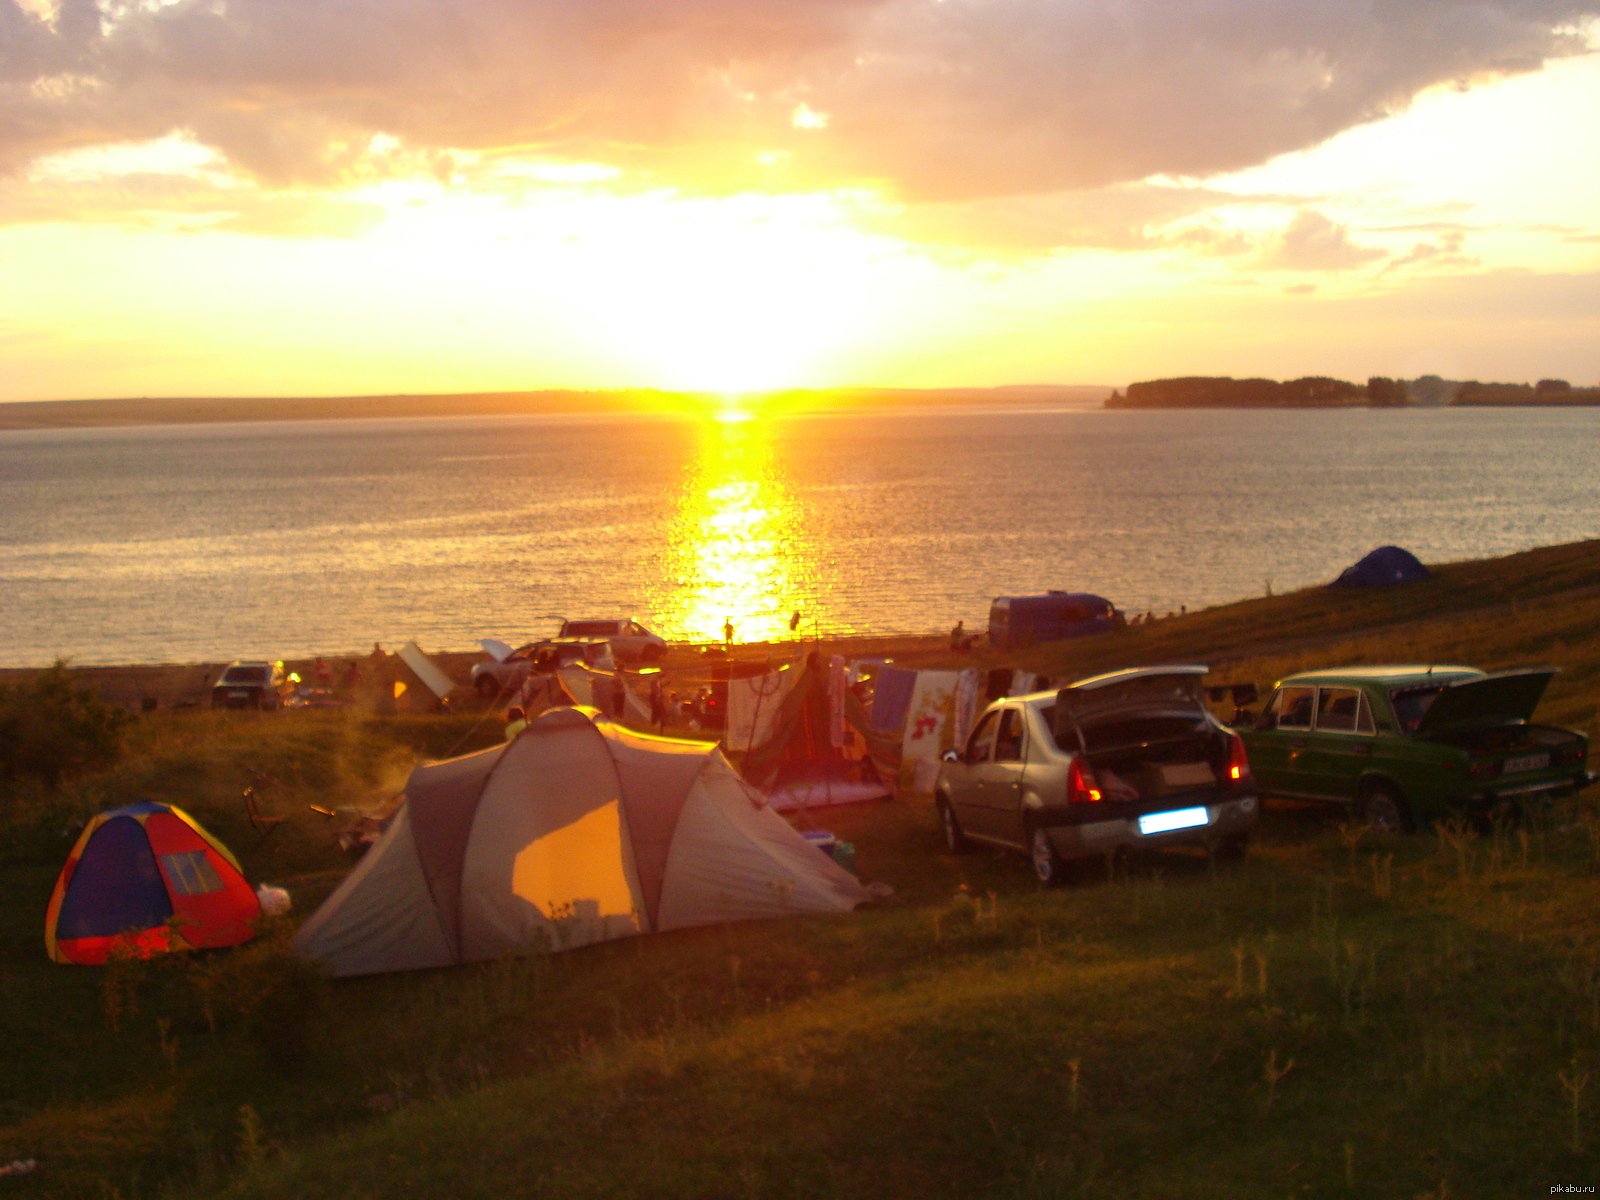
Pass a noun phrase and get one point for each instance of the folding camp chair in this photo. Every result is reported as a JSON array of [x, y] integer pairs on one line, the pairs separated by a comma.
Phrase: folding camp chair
[[263, 823]]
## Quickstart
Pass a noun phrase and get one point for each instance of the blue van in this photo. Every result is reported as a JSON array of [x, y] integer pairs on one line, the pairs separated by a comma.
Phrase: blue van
[[1016, 621]]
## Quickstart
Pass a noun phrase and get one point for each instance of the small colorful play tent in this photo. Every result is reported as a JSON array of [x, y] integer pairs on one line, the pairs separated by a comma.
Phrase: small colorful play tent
[[146, 879], [577, 830]]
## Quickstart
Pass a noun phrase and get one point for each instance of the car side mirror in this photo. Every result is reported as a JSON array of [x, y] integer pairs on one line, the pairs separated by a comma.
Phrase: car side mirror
[[950, 756]]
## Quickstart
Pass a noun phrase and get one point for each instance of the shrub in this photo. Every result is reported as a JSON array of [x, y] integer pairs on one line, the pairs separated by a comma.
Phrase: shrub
[[51, 730]]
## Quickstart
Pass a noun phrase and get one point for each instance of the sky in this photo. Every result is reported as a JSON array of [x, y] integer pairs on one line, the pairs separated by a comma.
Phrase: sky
[[309, 197]]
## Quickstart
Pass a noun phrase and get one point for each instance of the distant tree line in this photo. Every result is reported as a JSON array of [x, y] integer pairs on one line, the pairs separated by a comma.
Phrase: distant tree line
[[1318, 391], [1199, 391]]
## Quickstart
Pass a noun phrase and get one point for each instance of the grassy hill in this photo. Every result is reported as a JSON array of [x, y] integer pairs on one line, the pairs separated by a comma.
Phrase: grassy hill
[[1339, 1015]]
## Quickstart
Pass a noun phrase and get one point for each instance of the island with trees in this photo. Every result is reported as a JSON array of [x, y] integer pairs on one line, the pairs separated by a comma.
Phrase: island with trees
[[1318, 391]]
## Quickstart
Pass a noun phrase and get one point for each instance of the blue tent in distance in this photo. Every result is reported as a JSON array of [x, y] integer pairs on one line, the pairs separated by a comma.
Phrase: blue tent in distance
[[1385, 566]]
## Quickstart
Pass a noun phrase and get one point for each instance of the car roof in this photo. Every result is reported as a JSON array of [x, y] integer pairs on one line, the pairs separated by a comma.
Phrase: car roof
[[1389, 676]]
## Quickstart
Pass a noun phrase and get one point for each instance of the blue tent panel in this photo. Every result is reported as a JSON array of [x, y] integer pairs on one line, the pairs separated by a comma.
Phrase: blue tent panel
[[117, 885], [1385, 566]]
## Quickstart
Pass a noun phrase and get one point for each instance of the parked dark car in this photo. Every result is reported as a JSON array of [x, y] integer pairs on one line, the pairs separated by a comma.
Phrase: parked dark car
[[250, 685], [1129, 759], [1404, 745]]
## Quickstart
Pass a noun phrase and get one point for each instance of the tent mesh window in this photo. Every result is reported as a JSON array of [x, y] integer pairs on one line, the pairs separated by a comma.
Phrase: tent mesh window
[[191, 873]]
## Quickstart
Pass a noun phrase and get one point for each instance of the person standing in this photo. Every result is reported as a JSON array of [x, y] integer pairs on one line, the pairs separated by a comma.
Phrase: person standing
[[619, 694], [958, 635], [727, 632], [658, 704]]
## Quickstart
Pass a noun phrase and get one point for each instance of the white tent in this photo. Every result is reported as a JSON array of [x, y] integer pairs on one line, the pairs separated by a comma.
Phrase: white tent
[[576, 831]]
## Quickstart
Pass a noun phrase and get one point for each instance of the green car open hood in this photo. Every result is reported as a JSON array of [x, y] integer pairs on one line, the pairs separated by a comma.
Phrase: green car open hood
[[1495, 699]]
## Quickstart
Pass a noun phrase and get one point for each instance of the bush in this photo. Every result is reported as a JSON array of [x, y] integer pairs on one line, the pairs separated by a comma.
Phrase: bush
[[51, 730]]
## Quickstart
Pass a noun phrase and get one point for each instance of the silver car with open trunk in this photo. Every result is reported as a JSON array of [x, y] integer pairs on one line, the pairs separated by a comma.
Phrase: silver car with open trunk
[[1118, 761]]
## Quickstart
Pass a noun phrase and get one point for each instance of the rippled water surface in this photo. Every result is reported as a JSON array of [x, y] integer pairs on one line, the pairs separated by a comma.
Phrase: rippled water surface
[[212, 542]]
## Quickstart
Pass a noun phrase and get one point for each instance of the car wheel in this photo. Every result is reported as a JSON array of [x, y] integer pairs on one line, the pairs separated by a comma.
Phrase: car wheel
[[488, 686], [1048, 867], [1385, 809], [954, 840], [1232, 848]]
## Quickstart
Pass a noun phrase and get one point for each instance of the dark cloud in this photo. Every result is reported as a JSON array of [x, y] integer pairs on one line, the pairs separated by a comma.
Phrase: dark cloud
[[939, 99]]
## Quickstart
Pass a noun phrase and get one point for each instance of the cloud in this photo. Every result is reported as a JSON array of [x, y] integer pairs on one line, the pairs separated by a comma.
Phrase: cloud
[[1312, 242], [936, 100], [1132, 216], [191, 203], [1446, 252]]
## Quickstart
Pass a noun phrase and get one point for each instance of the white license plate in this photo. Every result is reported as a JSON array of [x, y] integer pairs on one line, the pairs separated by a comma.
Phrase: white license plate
[[1530, 762], [1183, 818]]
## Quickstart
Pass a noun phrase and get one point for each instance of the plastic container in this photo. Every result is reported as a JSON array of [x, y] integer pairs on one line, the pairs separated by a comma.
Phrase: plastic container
[[822, 839]]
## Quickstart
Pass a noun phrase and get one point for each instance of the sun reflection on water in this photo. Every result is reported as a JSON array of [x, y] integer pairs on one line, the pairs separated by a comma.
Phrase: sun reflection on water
[[734, 540]]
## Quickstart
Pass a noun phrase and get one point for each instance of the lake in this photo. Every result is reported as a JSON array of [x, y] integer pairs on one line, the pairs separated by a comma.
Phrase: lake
[[213, 542]]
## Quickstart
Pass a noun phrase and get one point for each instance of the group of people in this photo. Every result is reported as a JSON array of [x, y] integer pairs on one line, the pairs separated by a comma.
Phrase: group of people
[[1146, 618]]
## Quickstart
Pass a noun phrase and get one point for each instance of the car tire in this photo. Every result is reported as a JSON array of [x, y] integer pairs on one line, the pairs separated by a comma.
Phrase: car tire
[[955, 841], [1048, 866], [1231, 848], [488, 686], [1385, 809]]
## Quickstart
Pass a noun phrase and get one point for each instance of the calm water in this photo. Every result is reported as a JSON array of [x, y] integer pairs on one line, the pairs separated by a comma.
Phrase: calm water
[[212, 542]]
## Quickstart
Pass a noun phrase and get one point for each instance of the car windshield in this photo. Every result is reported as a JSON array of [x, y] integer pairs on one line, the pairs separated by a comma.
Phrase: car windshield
[[589, 629], [1411, 704], [245, 675]]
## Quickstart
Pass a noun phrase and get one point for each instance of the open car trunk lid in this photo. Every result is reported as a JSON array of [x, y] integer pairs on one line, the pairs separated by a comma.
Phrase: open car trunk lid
[[1501, 699], [1145, 735], [1143, 689]]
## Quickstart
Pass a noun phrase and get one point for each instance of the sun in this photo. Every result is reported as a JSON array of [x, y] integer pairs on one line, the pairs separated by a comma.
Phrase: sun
[[715, 295]]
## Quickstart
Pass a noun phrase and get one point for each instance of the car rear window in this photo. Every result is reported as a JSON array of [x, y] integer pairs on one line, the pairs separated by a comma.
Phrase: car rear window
[[589, 629], [245, 675], [1411, 704]]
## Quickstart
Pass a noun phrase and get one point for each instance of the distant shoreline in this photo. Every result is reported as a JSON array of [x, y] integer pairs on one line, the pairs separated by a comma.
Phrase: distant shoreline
[[68, 414]]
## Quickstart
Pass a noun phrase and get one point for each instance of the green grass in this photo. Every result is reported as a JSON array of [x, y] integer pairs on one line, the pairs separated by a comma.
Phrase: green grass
[[1337, 1016]]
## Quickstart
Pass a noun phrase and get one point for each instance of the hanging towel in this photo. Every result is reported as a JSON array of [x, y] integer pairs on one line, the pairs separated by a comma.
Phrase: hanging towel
[[967, 703], [836, 686], [891, 698], [928, 721]]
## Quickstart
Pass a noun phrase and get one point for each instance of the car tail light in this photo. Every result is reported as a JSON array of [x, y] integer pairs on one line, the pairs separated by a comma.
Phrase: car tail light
[[1238, 762], [1081, 784], [1486, 769], [1569, 756]]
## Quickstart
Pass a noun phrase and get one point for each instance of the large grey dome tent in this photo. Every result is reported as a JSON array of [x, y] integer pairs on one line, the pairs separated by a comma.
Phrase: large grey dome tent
[[576, 831]]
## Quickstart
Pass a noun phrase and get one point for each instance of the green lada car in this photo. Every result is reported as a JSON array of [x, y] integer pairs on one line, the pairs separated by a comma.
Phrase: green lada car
[[1411, 744]]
